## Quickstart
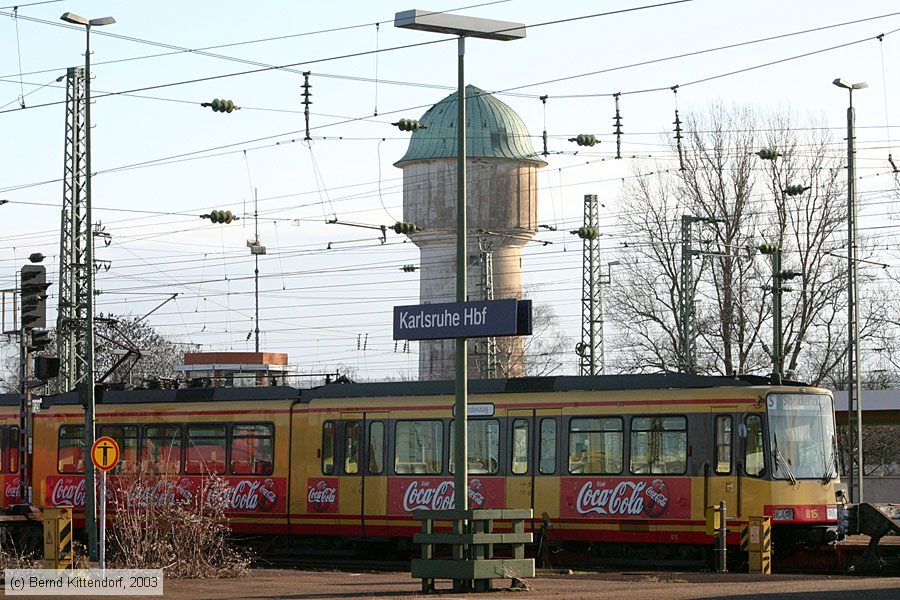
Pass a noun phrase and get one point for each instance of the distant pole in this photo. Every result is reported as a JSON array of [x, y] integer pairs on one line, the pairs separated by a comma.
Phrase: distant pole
[[90, 422], [461, 479], [256, 262]]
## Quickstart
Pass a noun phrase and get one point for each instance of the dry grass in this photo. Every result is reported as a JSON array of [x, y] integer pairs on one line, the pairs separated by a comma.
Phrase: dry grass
[[159, 523]]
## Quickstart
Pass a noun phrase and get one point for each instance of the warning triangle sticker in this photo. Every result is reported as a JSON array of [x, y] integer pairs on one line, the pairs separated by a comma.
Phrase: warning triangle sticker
[[49, 537]]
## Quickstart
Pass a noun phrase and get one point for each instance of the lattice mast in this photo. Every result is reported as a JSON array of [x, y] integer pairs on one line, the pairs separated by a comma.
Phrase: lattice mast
[[488, 350], [591, 347], [74, 232]]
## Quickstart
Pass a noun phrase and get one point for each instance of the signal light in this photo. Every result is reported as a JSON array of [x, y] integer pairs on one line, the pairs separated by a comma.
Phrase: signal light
[[768, 154], [405, 227], [46, 367], [40, 339], [221, 216], [34, 297], [795, 190], [409, 125], [225, 106], [584, 139]]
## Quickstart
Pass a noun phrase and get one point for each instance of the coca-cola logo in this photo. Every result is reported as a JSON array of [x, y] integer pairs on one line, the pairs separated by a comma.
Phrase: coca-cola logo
[[657, 502], [421, 495], [321, 496], [12, 489], [623, 499], [67, 491]]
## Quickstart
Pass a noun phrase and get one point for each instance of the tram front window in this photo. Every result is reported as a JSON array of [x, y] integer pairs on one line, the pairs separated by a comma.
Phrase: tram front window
[[801, 436]]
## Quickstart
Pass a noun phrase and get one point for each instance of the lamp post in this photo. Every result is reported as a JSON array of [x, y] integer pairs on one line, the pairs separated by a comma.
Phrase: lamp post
[[854, 387], [462, 27], [87, 389]]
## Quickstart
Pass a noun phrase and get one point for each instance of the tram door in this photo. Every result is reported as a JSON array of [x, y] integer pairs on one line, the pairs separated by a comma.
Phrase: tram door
[[722, 482], [362, 489], [533, 464]]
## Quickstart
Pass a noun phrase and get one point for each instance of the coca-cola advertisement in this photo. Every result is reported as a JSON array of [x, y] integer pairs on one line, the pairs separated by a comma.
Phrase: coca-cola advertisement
[[10, 489], [625, 498], [322, 495], [406, 494], [242, 494]]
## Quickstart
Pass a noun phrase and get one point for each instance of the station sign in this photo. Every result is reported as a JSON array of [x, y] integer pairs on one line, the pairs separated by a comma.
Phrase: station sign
[[484, 318]]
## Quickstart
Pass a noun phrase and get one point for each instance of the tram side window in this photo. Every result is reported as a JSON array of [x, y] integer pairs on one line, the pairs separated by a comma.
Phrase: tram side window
[[9, 446], [659, 445], [376, 447], [483, 450], [547, 464], [754, 462], [723, 444], [351, 447], [70, 450], [520, 446], [419, 447], [161, 449], [252, 449], [595, 446], [328, 448], [205, 453], [126, 437], [11, 458]]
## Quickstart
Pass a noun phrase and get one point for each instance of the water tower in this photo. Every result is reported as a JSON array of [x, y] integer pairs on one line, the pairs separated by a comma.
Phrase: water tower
[[501, 170]]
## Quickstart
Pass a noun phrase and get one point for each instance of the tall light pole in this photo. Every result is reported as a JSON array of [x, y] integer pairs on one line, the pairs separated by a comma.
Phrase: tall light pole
[[463, 27], [854, 388], [87, 390]]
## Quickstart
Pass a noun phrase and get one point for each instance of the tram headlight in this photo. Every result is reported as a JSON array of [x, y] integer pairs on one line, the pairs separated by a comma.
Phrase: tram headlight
[[784, 514]]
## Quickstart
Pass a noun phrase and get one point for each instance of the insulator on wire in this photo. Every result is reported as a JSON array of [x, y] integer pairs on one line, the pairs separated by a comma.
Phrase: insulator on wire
[[584, 139], [587, 233], [795, 190], [409, 125], [405, 227], [225, 106], [306, 102], [768, 154], [221, 216]]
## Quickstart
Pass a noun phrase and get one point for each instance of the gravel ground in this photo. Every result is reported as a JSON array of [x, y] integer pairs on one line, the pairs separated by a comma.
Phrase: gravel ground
[[310, 585]]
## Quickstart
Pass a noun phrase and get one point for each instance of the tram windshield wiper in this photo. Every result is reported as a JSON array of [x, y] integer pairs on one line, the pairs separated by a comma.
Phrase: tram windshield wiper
[[779, 459], [832, 469]]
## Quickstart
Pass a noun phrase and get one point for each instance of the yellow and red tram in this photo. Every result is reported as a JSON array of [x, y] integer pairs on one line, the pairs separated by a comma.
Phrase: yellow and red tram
[[633, 459]]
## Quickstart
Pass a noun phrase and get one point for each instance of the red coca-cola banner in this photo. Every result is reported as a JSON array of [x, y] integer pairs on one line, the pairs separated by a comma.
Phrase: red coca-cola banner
[[322, 495], [406, 494], [625, 498], [10, 489], [241, 495]]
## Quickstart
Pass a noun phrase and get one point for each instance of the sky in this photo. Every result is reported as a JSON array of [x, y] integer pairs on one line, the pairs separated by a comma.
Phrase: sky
[[160, 159]]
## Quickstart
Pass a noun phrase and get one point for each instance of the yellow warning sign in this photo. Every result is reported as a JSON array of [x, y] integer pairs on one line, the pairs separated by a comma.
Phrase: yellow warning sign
[[105, 453]]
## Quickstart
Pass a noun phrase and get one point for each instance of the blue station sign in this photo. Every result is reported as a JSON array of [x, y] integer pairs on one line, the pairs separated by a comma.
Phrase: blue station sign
[[486, 318]]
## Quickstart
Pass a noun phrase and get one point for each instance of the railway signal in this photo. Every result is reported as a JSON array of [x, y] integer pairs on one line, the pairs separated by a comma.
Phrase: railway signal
[[34, 296]]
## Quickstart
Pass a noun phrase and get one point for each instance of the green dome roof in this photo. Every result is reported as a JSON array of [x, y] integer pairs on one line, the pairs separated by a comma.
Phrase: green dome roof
[[493, 130]]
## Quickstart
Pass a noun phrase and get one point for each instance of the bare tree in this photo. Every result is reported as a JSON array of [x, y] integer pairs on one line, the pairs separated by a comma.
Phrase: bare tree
[[544, 351], [132, 351], [739, 201]]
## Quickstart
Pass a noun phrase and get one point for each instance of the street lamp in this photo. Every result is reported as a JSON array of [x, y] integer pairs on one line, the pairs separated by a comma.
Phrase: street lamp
[[462, 26], [87, 390], [854, 387]]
